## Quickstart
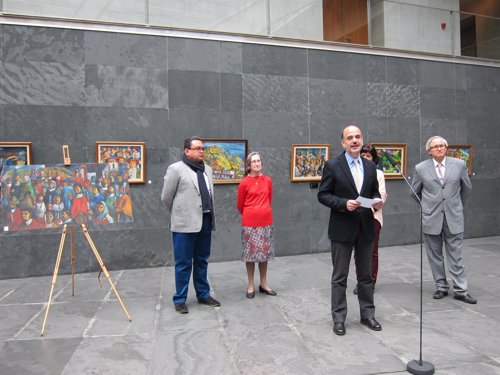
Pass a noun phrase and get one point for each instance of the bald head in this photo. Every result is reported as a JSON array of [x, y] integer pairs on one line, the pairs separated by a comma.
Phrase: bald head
[[352, 140]]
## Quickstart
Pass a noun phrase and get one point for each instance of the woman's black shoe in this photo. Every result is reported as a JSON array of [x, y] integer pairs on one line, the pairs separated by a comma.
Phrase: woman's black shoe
[[268, 292], [250, 294]]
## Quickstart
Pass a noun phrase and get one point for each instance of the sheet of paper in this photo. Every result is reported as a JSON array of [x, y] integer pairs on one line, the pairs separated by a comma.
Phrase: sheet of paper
[[367, 202]]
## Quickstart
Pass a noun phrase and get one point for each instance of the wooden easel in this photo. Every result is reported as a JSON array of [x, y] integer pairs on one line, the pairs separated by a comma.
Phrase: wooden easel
[[67, 161]]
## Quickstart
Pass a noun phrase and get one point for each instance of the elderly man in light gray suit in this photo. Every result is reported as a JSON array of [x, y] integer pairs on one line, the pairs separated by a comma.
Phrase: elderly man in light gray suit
[[188, 195], [442, 183]]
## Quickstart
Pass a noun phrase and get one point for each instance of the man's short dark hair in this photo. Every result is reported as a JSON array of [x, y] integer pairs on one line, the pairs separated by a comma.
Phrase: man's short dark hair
[[188, 141]]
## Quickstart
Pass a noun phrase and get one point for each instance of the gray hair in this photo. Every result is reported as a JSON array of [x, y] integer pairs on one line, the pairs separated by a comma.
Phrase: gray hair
[[429, 141]]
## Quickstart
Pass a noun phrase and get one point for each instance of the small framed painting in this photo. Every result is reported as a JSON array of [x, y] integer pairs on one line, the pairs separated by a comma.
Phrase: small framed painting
[[463, 152], [226, 157], [392, 159], [15, 153], [308, 161], [124, 158]]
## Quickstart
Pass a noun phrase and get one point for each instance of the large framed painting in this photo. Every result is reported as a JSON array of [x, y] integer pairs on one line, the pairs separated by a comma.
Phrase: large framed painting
[[307, 162], [392, 159], [129, 157], [15, 153], [227, 159], [40, 196], [463, 152]]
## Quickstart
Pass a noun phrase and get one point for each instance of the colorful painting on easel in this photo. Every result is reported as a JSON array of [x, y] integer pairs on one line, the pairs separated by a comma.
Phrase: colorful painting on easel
[[49, 196]]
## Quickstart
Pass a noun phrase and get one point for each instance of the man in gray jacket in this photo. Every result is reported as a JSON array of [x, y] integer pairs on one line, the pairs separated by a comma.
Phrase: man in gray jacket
[[442, 183], [188, 195]]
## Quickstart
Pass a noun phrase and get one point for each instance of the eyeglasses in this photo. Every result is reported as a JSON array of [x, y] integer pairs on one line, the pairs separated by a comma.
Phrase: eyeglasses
[[435, 147], [198, 149]]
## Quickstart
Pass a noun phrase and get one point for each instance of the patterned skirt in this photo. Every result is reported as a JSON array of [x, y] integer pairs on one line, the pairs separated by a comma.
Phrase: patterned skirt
[[258, 243]]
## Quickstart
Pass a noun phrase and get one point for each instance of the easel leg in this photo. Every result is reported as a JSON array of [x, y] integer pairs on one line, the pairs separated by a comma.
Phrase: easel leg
[[103, 267], [72, 238], [54, 276]]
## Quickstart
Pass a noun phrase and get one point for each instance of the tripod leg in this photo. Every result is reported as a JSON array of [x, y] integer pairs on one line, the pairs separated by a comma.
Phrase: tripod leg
[[72, 238], [104, 269], [54, 276]]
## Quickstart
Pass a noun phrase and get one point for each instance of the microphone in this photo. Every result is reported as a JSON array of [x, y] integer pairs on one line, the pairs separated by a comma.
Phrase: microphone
[[391, 160]]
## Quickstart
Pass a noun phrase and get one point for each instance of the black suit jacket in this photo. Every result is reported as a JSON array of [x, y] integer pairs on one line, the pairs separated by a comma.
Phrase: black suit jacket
[[336, 188]]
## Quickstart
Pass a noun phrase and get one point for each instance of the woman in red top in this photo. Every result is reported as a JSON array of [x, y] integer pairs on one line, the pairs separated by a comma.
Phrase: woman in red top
[[255, 194]]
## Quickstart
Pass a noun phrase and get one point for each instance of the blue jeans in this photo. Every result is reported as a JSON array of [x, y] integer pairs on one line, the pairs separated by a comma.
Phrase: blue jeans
[[191, 251]]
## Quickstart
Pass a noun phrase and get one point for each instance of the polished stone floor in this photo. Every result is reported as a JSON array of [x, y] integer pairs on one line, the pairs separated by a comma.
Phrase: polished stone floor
[[289, 334]]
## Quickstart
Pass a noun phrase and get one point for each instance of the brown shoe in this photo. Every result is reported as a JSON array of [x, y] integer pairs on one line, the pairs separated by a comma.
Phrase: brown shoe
[[212, 302], [181, 308]]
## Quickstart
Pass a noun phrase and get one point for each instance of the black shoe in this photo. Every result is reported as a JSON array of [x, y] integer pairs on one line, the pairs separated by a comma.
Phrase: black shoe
[[212, 302], [465, 298], [339, 328], [268, 292], [372, 324], [355, 290], [181, 308], [440, 294], [250, 294]]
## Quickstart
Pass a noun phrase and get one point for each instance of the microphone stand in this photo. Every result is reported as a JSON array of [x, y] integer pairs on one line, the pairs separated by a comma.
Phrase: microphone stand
[[416, 367]]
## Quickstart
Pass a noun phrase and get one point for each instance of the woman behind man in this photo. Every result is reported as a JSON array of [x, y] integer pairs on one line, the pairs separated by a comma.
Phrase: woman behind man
[[370, 153], [255, 194]]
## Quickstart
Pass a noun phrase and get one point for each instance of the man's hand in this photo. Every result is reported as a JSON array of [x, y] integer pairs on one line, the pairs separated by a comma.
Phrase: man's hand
[[352, 205]]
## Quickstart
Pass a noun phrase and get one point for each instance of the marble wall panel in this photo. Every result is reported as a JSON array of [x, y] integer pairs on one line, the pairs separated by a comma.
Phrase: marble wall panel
[[148, 125], [479, 104], [436, 74], [346, 66], [117, 49], [231, 92], [402, 71], [231, 57], [328, 127], [271, 60], [231, 125], [279, 129], [402, 100], [195, 55], [126, 86], [48, 127], [35, 44], [42, 83], [377, 129], [190, 89], [437, 103], [338, 96], [263, 93], [185, 123], [482, 78]]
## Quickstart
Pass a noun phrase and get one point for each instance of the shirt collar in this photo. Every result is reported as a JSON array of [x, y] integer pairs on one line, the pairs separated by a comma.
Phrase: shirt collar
[[436, 163]]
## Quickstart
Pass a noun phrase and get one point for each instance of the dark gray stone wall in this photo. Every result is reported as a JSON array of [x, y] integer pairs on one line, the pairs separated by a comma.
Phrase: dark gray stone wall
[[76, 87]]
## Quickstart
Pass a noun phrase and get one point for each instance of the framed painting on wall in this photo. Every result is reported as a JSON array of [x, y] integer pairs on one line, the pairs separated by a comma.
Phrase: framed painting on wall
[[392, 159], [463, 152], [226, 157], [15, 153], [308, 161], [129, 157]]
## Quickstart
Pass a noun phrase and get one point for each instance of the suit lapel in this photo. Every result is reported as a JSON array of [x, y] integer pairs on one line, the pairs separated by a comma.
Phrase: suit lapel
[[449, 166], [192, 175]]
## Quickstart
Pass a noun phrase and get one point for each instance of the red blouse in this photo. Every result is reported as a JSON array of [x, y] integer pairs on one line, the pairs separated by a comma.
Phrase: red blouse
[[255, 195]]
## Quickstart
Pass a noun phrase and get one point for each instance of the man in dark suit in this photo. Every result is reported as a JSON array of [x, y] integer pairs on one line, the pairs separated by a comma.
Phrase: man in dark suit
[[345, 178]]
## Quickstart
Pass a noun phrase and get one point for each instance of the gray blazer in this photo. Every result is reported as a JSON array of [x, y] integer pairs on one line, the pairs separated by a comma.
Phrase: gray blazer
[[182, 198], [439, 200]]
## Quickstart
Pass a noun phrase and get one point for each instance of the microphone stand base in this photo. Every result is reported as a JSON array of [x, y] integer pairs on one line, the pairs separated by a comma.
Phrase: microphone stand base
[[420, 367]]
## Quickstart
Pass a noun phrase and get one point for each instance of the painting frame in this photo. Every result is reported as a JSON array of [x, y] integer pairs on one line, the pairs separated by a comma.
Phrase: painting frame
[[137, 152], [223, 152], [462, 152], [17, 148], [398, 152], [301, 157]]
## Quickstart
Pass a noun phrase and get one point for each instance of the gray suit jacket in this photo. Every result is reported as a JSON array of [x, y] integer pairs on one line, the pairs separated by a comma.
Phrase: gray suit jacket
[[440, 200], [181, 195]]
